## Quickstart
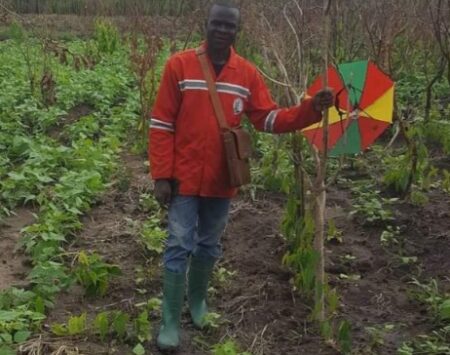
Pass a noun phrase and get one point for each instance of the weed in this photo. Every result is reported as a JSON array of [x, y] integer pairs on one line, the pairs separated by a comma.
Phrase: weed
[[106, 36]]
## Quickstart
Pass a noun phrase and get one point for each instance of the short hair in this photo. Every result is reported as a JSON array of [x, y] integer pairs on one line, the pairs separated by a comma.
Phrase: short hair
[[231, 4]]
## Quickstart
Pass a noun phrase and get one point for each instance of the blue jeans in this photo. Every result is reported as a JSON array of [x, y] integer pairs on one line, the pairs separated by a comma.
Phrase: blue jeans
[[195, 227]]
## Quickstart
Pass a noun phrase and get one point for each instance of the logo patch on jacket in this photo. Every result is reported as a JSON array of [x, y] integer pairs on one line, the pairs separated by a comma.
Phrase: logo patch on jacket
[[238, 106]]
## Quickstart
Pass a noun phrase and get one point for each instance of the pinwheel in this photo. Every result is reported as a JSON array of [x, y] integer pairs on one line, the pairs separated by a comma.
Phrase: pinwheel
[[363, 109]]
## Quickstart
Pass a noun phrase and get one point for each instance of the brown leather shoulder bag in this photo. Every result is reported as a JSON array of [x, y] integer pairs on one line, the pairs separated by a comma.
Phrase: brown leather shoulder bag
[[236, 140]]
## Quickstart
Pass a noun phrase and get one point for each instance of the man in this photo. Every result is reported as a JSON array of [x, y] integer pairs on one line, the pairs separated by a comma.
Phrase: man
[[188, 163]]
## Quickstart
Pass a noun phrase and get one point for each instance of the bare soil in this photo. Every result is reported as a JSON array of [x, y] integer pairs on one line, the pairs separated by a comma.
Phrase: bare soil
[[13, 265], [258, 305]]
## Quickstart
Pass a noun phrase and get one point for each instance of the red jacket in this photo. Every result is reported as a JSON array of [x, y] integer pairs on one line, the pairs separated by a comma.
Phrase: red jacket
[[185, 141]]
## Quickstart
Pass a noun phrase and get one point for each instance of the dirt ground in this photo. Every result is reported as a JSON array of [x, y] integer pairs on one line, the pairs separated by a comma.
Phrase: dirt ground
[[13, 265], [260, 310]]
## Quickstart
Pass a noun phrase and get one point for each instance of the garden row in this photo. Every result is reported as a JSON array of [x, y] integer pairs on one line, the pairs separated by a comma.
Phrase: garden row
[[57, 158]]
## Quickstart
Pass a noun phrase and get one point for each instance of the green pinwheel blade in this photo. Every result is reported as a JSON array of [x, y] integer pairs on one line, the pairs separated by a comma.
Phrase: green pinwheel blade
[[354, 77], [349, 143]]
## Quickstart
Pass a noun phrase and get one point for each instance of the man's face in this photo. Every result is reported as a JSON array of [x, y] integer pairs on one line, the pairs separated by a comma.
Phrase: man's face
[[222, 27]]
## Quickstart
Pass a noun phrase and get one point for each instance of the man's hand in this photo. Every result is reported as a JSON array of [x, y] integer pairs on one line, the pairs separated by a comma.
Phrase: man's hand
[[163, 191], [323, 100]]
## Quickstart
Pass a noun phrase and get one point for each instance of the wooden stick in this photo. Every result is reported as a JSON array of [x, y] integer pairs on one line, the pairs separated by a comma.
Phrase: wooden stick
[[320, 190]]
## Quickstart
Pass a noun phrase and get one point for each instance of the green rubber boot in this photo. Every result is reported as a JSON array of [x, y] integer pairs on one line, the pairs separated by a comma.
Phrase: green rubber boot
[[200, 271], [173, 298]]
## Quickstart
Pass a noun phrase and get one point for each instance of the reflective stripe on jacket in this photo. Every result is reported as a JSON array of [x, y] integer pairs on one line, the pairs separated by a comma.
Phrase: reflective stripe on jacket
[[185, 141]]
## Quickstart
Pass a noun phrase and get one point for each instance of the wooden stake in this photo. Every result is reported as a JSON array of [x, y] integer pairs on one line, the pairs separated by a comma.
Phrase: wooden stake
[[320, 188]]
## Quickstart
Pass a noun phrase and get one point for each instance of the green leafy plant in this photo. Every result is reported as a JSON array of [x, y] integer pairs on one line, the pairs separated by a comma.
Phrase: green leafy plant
[[94, 274], [339, 334], [333, 234], [154, 304], [107, 324], [15, 325], [152, 235], [300, 257], [49, 278], [102, 324], [437, 302], [418, 198], [212, 320], [370, 206], [429, 180], [446, 180], [143, 327], [139, 349], [390, 236], [106, 36], [437, 132], [148, 203], [57, 165], [120, 323], [378, 334], [76, 325], [222, 275], [228, 347], [437, 343], [344, 337]]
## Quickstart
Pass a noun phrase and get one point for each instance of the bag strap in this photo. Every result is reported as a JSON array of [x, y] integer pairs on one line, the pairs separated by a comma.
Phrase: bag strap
[[217, 104]]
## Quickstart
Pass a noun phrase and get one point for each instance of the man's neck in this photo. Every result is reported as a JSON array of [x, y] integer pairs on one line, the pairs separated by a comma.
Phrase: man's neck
[[219, 57]]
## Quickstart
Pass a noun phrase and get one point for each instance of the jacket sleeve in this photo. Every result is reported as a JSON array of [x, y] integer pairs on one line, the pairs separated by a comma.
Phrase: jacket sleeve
[[162, 124], [266, 116]]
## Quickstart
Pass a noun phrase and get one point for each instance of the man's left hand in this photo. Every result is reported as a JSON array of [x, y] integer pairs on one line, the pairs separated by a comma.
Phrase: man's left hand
[[323, 99]]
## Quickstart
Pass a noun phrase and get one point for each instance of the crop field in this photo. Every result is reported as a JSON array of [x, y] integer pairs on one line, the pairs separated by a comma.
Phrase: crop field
[[82, 235]]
